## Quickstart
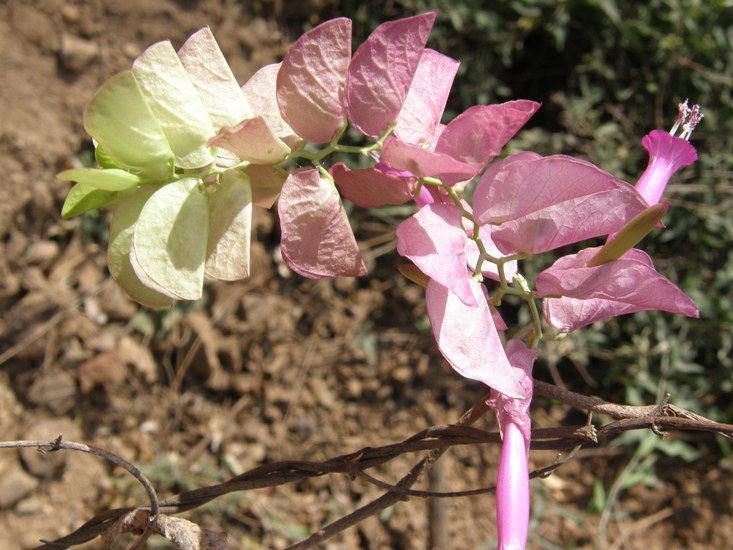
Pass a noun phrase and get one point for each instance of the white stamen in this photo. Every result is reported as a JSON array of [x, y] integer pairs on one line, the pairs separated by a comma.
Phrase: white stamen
[[682, 114], [695, 118]]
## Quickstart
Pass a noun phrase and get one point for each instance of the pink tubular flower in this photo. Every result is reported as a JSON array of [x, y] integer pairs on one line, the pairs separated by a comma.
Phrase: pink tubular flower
[[668, 153], [512, 484]]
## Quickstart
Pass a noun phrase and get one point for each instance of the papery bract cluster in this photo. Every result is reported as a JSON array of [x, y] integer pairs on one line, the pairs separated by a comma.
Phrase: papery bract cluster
[[184, 153], [392, 82], [524, 204]]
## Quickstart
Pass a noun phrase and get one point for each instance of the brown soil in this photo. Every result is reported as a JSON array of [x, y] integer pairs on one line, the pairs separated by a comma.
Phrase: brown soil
[[268, 369]]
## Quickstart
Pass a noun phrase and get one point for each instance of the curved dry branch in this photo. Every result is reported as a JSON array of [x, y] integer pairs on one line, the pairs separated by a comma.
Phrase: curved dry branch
[[59, 444], [435, 440]]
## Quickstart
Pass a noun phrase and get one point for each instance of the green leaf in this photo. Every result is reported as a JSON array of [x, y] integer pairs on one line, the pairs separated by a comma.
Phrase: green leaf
[[103, 159], [598, 498], [121, 122], [126, 214], [82, 198], [108, 179], [169, 241], [230, 207], [176, 104]]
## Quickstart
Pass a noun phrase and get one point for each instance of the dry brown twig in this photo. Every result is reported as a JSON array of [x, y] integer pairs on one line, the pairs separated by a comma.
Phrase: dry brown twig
[[155, 518]]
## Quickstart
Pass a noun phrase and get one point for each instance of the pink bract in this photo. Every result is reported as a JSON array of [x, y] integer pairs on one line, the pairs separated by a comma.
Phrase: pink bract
[[310, 83], [434, 239], [371, 187], [576, 295], [317, 240], [478, 134], [422, 163], [260, 92], [542, 203], [382, 70], [468, 339], [251, 140], [423, 108]]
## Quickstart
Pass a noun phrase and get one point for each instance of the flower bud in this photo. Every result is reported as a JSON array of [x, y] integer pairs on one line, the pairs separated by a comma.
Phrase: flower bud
[[634, 231]]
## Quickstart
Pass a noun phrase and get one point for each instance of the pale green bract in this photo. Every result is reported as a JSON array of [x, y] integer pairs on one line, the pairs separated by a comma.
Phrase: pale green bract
[[108, 179], [230, 205], [126, 214], [169, 240], [213, 79], [182, 210], [83, 198], [176, 104], [122, 123]]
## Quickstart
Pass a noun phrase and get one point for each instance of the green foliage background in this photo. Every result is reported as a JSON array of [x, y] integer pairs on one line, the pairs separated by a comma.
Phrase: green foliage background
[[607, 72]]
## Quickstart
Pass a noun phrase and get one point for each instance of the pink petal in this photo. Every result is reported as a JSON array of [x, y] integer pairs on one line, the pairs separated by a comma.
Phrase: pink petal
[[434, 239], [667, 154], [251, 140], [310, 83], [260, 92], [468, 339], [371, 187], [426, 99], [423, 163], [544, 203], [317, 240], [589, 294], [382, 70], [478, 134]]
